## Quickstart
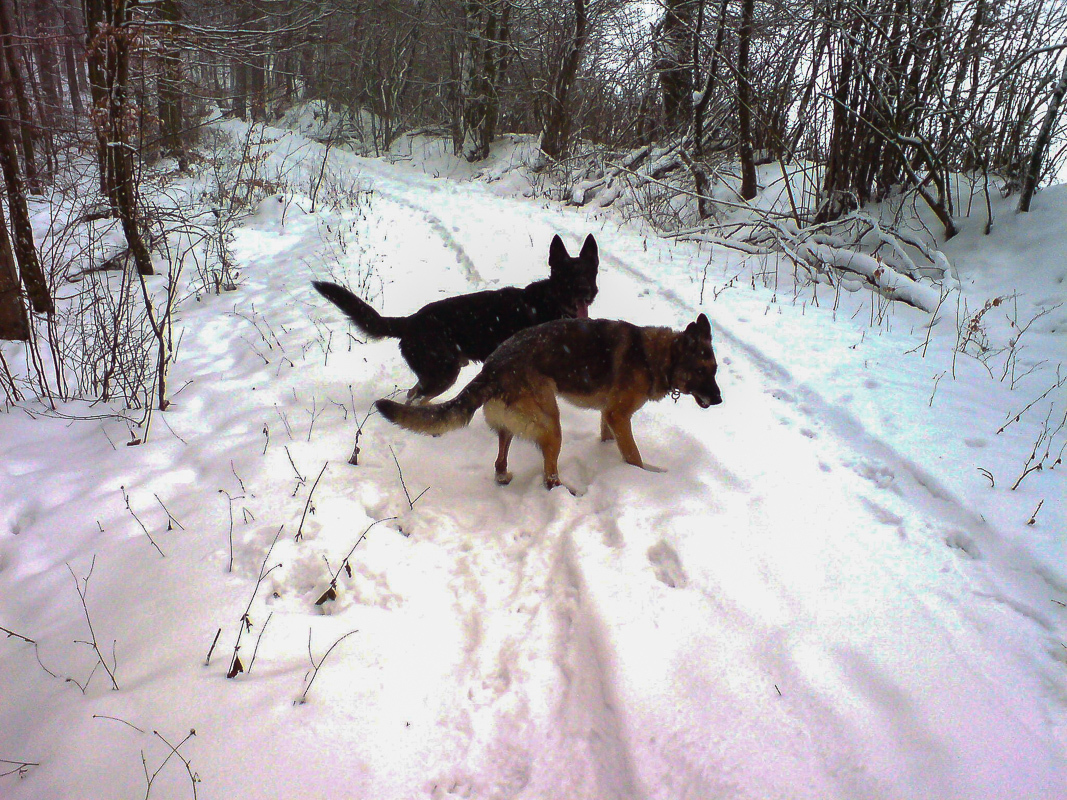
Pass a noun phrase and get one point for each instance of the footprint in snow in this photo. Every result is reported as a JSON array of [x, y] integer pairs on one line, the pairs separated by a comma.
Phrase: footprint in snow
[[666, 565], [961, 542]]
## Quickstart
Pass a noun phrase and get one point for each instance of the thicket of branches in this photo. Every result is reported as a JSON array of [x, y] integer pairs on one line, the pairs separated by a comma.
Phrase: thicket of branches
[[880, 97]]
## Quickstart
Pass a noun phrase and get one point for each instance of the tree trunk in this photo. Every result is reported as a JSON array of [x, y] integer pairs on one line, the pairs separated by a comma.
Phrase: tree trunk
[[71, 61], [12, 50], [170, 79], [556, 132], [744, 101], [1044, 136], [119, 146], [109, 60], [240, 89], [483, 61], [709, 83], [97, 57], [33, 277], [46, 23], [14, 324], [674, 64]]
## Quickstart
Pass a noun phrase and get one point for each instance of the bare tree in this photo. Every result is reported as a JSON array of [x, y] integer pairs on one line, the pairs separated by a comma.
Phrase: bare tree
[[745, 101], [110, 31], [171, 116], [674, 56], [32, 276], [556, 133], [14, 324], [482, 65], [12, 56], [1041, 143]]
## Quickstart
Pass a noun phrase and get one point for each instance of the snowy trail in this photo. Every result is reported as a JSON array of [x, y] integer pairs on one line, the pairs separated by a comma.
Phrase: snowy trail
[[795, 609], [872, 526]]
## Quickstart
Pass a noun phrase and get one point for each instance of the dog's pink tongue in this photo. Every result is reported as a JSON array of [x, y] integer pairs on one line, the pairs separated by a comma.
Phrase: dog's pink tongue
[[583, 311]]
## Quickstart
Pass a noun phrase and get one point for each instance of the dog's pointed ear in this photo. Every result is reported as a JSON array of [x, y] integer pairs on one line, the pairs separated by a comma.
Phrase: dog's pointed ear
[[703, 326], [590, 251], [557, 253], [699, 330]]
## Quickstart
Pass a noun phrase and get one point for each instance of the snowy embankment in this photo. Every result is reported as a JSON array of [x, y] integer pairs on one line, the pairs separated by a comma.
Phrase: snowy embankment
[[820, 598]]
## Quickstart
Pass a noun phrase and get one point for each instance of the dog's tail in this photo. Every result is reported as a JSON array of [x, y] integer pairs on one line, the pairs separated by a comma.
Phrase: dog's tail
[[437, 418], [365, 318]]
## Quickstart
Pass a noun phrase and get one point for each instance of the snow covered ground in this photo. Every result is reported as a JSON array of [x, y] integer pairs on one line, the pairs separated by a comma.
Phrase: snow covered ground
[[821, 597]]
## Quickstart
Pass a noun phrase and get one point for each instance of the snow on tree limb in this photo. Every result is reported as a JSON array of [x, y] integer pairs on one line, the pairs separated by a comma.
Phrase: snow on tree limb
[[887, 280]]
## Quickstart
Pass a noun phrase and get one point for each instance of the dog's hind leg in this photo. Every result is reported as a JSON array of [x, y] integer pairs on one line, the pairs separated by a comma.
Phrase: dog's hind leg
[[503, 477], [436, 368], [550, 441]]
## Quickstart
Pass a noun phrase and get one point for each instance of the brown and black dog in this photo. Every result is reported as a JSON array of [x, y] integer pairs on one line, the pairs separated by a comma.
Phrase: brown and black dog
[[440, 338], [608, 365]]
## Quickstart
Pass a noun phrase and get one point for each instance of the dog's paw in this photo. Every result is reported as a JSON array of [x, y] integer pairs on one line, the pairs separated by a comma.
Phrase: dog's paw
[[652, 468], [503, 478]]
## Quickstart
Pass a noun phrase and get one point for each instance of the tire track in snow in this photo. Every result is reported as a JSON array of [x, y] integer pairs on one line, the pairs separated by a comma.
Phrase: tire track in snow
[[862, 454], [533, 714], [401, 198], [875, 454]]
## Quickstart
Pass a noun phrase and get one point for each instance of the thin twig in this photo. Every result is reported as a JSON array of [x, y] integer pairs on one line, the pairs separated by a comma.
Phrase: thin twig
[[126, 497], [36, 649], [194, 778], [170, 517], [20, 766], [316, 667], [307, 505], [258, 640], [210, 650], [118, 719], [1033, 517], [82, 587], [236, 667], [229, 535], [331, 593], [404, 486]]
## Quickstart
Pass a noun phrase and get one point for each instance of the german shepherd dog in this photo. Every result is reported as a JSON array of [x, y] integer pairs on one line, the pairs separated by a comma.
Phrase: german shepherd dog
[[440, 338], [608, 365]]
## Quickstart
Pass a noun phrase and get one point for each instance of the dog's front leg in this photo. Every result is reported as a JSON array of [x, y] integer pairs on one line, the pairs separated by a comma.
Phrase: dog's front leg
[[619, 423], [606, 434]]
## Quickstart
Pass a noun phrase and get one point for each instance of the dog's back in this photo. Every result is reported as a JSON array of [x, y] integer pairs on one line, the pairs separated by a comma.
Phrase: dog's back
[[441, 337]]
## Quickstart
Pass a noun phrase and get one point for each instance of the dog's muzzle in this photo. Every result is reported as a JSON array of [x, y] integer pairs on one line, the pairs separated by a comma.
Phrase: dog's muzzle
[[705, 402]]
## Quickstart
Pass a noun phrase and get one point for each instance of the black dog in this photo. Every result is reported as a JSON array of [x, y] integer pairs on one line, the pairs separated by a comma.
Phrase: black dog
[[440, 338]]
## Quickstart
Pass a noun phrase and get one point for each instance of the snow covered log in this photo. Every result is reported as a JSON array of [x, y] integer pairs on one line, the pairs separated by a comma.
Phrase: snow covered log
[[887, 280]]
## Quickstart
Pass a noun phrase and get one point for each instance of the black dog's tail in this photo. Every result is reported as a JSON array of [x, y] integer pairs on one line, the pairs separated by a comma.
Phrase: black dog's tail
[[366, 318], [437, 418]]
